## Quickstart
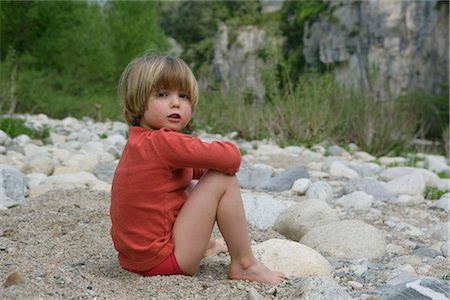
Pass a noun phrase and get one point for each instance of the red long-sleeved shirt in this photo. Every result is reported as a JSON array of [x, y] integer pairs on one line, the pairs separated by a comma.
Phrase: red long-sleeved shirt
[[148, 190]]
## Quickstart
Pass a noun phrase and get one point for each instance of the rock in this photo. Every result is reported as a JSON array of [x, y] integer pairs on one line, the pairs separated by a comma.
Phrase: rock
[[105, 172], [35, 179], [396, 172], [68, 181], [421, 289], [83, 161], [262, 210], [408, 229], [295, 221], [292, 258], [367, 169], [364, 156], [411, 184], [254, 295], [445, 249], [31, 150], [301, 185], [348, 238], [369, 186], [236, 63], [441, 231], [339, 170], [39, 164], [252, 176], [12, 187], [320, 190], [444, 202], [3, 137], [335, 150], [356, 200], [284, 180], [426, 252], [13, 279], [436, 163], [320, 288]]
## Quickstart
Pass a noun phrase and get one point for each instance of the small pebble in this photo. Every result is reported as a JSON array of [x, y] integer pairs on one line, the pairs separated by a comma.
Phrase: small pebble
[[13, 279]]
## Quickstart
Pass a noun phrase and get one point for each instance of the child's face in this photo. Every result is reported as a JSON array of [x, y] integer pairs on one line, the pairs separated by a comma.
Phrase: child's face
[[167, 108]]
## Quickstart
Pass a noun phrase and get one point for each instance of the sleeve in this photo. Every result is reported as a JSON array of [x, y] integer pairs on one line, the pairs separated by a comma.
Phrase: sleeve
[[178, 150], [198, 173]]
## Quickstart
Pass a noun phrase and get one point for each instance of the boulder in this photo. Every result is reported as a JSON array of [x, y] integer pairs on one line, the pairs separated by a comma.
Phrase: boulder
[[262, 210], [292, 258], [12, 187], [295, 221], [349, 238], [320, 190]]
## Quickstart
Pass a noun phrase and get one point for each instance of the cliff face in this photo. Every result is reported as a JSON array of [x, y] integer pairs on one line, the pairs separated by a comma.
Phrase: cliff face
[[236, 62], [387, 46]]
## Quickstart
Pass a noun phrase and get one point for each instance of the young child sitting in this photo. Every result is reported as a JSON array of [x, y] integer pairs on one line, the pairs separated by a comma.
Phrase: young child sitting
[[158, 227]]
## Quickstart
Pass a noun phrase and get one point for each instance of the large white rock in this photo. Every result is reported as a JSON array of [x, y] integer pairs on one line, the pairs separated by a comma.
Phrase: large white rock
[[436, 163], [301, 185], [12, 187], [295, 221], [356, 200], [338, 169], [349, 238], [292, 258], [31, 150], [395, 172], [84, 162], [320, 190], [39, 164], [410, 184], [262, 209], [69, 181]]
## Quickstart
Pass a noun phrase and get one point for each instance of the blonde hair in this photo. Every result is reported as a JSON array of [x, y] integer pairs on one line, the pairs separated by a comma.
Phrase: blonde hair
[[149, 73]]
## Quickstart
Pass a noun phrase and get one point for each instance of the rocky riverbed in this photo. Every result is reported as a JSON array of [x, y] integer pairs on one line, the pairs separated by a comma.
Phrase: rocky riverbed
[[341, 224]]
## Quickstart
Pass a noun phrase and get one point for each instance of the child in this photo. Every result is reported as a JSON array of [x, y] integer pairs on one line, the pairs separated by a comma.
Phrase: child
[[157, 228]]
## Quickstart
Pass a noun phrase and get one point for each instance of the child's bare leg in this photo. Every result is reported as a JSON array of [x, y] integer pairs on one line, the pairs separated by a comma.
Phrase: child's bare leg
[[217, 196], [215, 247]]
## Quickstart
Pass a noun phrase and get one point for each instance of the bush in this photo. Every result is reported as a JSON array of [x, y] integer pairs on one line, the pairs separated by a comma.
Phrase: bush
[[310, 111], [15, 127]]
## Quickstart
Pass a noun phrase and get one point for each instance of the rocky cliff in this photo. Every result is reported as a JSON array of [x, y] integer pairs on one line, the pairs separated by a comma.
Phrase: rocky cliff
[[388, 47]]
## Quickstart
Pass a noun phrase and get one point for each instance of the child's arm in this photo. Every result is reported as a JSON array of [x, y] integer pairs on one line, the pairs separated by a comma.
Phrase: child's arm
[[183, 151]]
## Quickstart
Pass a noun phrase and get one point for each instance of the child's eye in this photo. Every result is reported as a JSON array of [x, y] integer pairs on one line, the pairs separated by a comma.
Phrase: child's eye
[[184, 96], [162, 94]]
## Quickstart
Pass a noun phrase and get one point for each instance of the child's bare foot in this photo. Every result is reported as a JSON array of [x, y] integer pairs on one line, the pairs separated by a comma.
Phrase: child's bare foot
[[215, 247], [256, 272]]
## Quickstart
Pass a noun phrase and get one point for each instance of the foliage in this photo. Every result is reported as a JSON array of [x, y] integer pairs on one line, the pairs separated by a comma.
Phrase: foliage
[[433, 193], [64, 57], [432, 112], [446, 277], [295, 15], [444, 174], [15, 127], [309, 111]]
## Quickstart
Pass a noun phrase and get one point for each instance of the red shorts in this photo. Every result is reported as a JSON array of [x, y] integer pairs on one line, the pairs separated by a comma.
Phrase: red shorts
[[169, 266]]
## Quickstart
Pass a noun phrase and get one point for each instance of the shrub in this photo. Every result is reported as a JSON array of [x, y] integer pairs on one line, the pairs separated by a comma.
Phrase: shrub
[[15, 127]]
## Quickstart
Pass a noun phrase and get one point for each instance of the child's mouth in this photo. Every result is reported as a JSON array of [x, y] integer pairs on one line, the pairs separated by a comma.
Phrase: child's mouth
[[175, 116]]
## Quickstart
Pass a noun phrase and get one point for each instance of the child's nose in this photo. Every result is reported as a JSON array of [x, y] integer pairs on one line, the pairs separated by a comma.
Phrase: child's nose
[[175, 102]]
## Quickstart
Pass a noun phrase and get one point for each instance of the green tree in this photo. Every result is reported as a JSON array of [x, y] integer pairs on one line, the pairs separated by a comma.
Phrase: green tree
[[134, 30]]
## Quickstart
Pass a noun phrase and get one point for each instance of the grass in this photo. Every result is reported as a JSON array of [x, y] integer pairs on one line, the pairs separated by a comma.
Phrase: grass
[[310, 111], [432, 193], [15, 127]]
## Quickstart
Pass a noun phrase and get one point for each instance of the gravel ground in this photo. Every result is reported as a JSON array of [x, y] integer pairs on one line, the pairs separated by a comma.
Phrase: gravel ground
[[58, 246]]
